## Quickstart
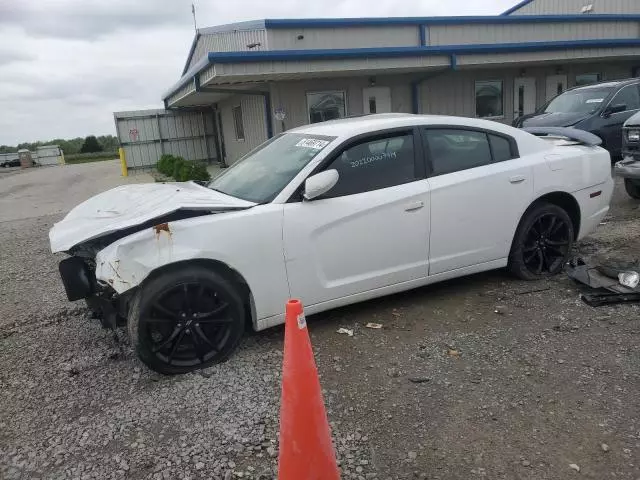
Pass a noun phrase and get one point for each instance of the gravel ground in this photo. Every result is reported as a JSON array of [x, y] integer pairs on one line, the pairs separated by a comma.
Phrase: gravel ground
[[482, 377]]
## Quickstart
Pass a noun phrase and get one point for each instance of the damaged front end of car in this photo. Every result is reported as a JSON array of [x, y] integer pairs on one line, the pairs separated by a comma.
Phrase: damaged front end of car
[[109, 236], [92, 274]]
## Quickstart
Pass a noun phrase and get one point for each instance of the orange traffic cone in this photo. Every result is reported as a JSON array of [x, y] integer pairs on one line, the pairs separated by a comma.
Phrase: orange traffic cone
[[306, 452]]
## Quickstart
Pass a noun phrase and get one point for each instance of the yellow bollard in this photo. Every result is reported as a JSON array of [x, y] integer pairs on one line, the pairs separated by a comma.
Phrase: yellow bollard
[[123, 163]]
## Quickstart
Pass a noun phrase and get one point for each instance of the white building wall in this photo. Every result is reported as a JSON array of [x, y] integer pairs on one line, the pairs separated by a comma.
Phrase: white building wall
[[453, 92], [254, 122], [573, 7], [292, 96], [234, 41], [534, 32], [343, 37]]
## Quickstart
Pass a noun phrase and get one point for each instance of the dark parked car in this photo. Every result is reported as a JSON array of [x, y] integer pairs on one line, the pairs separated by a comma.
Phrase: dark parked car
[[600, 108], [629, 167], [10, 163]]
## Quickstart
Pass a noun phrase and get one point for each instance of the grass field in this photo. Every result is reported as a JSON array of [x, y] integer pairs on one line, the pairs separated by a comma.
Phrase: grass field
[[89, 157]]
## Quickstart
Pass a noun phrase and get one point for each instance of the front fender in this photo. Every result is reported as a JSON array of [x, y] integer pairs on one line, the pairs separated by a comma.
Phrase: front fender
[[248, 241]]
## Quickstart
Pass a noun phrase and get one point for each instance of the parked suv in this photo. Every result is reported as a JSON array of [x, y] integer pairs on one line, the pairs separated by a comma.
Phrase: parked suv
[[600, 108], [629, 167]]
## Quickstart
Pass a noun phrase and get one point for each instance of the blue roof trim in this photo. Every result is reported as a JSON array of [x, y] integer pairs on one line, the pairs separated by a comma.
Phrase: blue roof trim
[[524, 3], [392, 52], [385, 21], [191, 50]]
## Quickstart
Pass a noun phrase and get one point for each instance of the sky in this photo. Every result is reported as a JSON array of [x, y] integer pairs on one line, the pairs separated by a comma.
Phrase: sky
[[67, 65]]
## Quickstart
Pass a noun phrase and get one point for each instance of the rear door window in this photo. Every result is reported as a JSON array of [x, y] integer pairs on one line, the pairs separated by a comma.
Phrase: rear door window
[[452, 150]]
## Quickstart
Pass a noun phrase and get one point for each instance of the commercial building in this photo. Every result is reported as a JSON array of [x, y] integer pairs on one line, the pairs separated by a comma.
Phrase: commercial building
[[257, 79]]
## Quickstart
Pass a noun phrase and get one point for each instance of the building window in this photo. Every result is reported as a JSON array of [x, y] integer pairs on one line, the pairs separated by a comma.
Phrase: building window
[[237, 122], [587, 79], [326, 106], [489, 99]]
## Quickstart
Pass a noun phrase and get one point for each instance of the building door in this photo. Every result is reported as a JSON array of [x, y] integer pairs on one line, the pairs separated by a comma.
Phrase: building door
[[524, 100], [556, 84], [376, 99]]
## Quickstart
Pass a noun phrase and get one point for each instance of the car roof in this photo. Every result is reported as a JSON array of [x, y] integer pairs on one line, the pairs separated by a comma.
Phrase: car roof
[[349, 127], [607, 84]]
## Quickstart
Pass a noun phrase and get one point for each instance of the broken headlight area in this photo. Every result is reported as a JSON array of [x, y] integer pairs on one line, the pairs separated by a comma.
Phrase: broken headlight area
[[78, 275]]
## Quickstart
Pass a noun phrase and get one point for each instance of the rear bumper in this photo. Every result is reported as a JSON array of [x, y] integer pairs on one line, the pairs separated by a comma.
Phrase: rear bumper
[[628, 168]]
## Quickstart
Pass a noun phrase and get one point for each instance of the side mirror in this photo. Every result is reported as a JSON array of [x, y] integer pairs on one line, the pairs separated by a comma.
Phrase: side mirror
[[611, 109], [319, 184]]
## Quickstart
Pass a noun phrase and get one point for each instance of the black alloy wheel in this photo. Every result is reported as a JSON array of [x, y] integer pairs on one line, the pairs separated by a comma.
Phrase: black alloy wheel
[[186, 320], [543, 242]]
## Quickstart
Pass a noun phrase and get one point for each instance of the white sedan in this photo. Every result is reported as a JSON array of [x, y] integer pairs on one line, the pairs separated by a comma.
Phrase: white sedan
[[332, 214]]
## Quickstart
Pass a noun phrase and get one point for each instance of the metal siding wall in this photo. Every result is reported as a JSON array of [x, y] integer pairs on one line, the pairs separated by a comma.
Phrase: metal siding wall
[[540, 32], [235, 41], [347, 37], [559, 57], [572, 7], [292, 96], [159, 131], [253, 120], [453, 93], [47, 155], [333, 67]]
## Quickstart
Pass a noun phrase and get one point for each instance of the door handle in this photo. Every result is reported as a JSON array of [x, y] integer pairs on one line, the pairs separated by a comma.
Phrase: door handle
[[412, 207], [517, 179]]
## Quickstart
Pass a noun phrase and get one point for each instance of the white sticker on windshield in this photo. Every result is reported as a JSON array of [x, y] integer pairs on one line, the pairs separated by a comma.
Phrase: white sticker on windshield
[[595, 100], [312, 143]]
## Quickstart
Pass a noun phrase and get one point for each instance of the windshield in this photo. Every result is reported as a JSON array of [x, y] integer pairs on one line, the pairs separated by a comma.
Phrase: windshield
[[587, 100], [264, 172]]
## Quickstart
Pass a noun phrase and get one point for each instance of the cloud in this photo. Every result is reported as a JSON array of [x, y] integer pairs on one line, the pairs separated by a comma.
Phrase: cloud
[[90, 19], [67, 65]]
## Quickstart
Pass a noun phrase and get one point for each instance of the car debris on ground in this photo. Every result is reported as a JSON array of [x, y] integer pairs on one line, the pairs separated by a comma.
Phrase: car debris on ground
[[605, 284]]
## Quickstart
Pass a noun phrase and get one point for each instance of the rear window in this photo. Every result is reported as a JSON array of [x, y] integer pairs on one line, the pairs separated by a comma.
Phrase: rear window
[[587, 100]]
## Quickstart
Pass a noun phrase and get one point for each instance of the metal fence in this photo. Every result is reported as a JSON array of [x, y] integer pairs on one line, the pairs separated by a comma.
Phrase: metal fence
[[44, 155], [145, 135]]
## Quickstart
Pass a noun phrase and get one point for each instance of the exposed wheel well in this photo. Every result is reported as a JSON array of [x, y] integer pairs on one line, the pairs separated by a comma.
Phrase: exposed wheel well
[[224, 270], [568, 203]]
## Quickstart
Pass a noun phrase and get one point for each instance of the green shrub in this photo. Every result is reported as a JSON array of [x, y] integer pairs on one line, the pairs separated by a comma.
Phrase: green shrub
[[182, 170], [178, 162], [192, 171], [165, 164]]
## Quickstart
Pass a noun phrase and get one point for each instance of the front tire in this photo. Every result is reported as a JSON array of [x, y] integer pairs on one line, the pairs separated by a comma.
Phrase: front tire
[[185, 320], [542, 243], [632, 187]]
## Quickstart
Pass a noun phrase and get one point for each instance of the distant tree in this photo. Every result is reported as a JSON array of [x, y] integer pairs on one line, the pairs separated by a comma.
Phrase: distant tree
[[91, 145], [109, 143], [7, 149]]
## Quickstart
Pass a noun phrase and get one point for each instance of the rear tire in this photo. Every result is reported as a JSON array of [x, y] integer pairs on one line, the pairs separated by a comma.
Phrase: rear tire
[[632, 187], [542, 243], [185, 320]]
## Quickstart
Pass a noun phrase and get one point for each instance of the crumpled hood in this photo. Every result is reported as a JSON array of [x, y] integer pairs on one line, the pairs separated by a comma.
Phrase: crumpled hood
[[130, 205], [554, 119]]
